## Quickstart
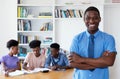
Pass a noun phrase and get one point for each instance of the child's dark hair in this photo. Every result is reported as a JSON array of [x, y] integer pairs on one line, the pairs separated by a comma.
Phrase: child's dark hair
[[92, 8], [34, 43], [11, 43], [55, 45]]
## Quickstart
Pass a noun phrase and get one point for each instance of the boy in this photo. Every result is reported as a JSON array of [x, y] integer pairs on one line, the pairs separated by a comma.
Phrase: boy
[[35, 59], [56, 60]]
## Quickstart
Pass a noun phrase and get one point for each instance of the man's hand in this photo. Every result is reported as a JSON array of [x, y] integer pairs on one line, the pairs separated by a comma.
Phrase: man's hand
[[75, 58], [73, 64], [53, 67], [106, 53]]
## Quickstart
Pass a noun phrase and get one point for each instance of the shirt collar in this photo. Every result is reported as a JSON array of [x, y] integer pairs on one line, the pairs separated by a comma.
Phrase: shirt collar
[[95, 35]]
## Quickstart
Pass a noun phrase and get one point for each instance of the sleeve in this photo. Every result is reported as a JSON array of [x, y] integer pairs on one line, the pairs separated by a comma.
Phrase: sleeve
[[27, 58], [110, 44], [17, 59], [74, 45], [2, 59], [48, 61], [43, 60]]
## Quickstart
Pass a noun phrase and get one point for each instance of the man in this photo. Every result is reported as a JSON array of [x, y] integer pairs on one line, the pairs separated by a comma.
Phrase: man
[[35, 59], [92, 51], [56, 60]]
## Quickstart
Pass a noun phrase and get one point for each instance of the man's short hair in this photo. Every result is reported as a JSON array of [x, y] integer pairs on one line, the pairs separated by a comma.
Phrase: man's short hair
[[55, 45], [92, 8], [34, 43], [11, 43]]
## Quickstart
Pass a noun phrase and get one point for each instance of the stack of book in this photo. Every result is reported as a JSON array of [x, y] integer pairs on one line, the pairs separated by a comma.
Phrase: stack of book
[[24, 25], [68, 13], [22, 52], [45, 15], [47, 27]]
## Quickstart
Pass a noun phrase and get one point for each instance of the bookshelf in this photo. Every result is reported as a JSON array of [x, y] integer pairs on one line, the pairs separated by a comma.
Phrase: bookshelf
[[52, 21], [34, 21]]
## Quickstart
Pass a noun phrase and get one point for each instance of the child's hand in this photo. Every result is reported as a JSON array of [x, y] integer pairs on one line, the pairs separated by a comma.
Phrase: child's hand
[[6, 73]]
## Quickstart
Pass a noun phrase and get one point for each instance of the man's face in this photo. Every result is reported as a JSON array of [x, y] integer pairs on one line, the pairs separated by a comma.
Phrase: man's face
[[36, 50], [54, 52], [92, 19]]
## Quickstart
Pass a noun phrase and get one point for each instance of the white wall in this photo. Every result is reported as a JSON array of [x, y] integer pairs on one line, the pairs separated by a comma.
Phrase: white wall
[[7, 23], [112, 26]]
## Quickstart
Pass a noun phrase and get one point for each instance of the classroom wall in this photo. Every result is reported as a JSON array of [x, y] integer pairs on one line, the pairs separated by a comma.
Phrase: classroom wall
[[112, 26], [8, 22]]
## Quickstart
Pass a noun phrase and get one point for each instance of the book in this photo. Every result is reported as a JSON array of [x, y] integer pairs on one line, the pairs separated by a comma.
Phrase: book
[[22, 72], [16, 73], [18, 12]]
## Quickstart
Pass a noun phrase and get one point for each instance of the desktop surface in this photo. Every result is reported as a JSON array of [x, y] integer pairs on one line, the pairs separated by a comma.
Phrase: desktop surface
[[67, 74]]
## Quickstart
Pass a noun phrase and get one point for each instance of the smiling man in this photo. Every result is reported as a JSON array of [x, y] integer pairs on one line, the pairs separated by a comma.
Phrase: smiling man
[[92, 51]]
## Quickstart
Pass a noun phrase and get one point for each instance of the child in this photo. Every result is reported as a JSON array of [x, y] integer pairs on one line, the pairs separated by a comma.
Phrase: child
[[56, 60], [35, 59], [10, 62]]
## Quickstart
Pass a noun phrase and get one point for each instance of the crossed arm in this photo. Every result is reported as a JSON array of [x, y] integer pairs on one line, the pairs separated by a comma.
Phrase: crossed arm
[[107, 59]]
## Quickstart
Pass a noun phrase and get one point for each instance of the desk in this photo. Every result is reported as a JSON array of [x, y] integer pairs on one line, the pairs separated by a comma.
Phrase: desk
[[67, 74]]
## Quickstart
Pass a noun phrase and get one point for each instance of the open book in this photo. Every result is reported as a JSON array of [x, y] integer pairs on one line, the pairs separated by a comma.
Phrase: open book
[[21, 72]]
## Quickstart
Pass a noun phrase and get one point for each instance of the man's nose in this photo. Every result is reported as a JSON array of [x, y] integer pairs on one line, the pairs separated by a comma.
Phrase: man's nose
[[91, 20]]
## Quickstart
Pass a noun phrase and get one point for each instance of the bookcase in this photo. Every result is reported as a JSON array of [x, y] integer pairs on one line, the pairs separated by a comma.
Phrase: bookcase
[[34, 21], [51, 21]]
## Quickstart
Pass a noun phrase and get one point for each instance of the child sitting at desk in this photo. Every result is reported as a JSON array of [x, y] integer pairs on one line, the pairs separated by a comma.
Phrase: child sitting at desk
[[56, 60], [10, 62], [35, 59]]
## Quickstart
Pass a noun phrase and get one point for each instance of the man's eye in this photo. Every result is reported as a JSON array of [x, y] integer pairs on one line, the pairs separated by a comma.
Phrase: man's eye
[[87, 18]]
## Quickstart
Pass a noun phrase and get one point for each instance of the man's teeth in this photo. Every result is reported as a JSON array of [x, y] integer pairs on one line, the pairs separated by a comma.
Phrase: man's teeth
[[91, 25]]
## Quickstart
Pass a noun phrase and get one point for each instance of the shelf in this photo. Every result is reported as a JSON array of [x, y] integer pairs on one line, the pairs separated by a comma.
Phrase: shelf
[[114, 4], [35, 5], [35, 18], [35, 32], [66, 5], [42, 45], [68, 18]]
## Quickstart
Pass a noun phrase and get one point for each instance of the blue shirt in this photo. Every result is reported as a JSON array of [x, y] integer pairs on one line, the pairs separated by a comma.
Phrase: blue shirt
[[60, 60], [102, 42]]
